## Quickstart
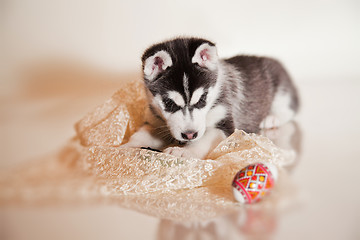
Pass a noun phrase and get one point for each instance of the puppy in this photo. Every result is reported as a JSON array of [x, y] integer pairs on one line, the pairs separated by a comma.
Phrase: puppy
[[197, 100]]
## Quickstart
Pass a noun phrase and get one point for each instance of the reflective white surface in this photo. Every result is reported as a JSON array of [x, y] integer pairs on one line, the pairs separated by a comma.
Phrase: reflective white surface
[[324, 178]]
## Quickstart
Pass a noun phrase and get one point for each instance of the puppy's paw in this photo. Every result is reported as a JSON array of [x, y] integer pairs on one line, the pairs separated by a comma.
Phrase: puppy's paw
[[129, 145], [270, 122], [179, 152]]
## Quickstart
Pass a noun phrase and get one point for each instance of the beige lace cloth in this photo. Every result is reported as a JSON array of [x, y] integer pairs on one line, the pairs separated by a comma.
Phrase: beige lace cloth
[[92, 168]]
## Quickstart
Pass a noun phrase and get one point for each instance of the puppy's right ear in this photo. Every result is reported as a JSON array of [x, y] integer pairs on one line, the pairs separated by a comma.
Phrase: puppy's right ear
[[206, 56], [156, 64]]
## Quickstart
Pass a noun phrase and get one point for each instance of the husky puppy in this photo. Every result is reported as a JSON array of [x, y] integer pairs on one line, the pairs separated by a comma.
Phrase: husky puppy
[[196, 99]]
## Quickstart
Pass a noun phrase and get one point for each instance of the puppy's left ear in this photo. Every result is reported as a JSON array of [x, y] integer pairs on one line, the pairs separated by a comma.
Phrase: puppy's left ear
[[156, 64], [206, 56]]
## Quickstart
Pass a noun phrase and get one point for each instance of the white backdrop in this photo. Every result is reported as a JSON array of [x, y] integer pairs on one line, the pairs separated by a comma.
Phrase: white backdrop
[[316, 40]]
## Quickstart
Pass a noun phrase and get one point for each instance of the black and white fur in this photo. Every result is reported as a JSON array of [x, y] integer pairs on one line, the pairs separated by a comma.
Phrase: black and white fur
[[196, 99]]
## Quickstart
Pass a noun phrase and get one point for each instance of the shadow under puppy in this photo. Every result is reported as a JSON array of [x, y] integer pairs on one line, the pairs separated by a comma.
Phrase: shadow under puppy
[[197, 100]]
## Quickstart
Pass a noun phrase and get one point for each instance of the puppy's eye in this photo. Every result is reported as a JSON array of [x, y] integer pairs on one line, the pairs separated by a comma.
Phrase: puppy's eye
[[170, 105], [202, 101]]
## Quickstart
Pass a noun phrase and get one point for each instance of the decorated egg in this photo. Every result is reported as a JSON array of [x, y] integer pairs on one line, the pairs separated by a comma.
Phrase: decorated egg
[[253, 182]]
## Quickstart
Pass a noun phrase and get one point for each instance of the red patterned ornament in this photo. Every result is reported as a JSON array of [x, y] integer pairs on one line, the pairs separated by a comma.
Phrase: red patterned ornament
[[253, 182]]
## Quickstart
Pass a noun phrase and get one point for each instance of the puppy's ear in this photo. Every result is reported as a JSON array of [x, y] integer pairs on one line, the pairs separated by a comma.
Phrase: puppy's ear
[[206, 56], [156, 64]]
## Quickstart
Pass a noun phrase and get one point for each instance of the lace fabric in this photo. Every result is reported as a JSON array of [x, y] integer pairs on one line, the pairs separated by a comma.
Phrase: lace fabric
[[92, 165]]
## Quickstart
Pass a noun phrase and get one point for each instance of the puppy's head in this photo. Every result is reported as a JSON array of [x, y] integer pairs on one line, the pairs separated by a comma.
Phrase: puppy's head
[[181, 76]]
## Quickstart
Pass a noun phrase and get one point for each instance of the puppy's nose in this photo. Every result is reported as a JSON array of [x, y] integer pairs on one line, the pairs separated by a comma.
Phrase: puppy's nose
[[189, 135]]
